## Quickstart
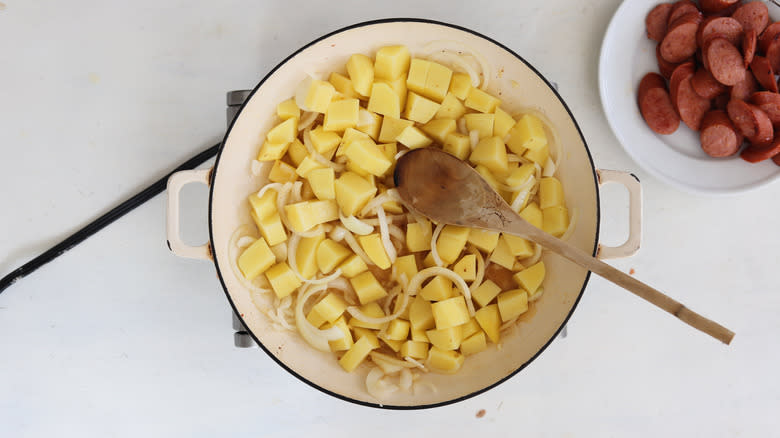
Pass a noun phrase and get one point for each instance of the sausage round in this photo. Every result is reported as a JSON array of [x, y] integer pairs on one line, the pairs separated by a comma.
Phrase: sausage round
[[665, 67], [715, 6], [769, 35], [679, 43], [718, 136], [745, 88], [776, 159], [690, 106], [749, 42], [656, 21], [752, 15], [764, 74], [756, 153], [751, 122], [656, 105], [721, 101], [727, 27], [773, 54], [705, 85], [680, 8], [769, 103], [725, 62]]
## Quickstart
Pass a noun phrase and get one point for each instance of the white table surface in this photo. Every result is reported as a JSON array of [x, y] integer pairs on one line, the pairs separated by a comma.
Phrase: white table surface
[[120, 338]]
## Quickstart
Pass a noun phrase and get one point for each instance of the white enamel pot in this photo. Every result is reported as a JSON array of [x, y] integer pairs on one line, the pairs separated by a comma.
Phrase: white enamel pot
[[518, 85]]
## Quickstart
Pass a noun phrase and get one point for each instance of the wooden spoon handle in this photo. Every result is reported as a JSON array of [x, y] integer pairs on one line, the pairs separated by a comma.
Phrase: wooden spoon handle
[[708, 326]]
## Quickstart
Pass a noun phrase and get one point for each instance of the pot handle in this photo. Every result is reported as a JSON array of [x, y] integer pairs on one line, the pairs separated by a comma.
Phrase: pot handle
[[631, 183], [175, 184]]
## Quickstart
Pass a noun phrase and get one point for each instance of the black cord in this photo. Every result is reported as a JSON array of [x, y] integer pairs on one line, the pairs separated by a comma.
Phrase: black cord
[[103, 221]]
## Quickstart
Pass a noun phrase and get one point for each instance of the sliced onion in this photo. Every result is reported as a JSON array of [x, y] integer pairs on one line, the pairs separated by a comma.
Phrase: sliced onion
[[387, 367], [512, 158], [273, 186], [343, 285], [295, 192], [365, 118], [281, 201], [256, 167], [376, 386], [312, 335], [355, 247], [434, 249], [307, 120], [524, 192], [317, 156], [572, 224], [396, 232], [377, 356], [355, 311], [426, 273], [292, 250], [400, 154], [535, 257], [355, 225], [405, 379], [245, 241], [483, 64], [474, 138], [480, 275], [280, 251], [338, 233], [302, 91], [416, 364], [462, 126], [536, 295], [384, 234], [458, 61], [549, 167], [508, 324], [387, 196]]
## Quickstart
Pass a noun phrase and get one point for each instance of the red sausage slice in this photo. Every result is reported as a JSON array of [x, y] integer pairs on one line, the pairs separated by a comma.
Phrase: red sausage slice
[[679, 43], [656, 105], [769, 103], [744, 89], [764, 74], [705, 85], [680, 8], [776, 159], [725, 61], [665, 67], [756, 153], [751, 122], [727, 27], [752, 15], [749, 42], [718, 136], [690, 106], [721, 101], [773, 54], [714, 6], [656, 21], [768, 36]]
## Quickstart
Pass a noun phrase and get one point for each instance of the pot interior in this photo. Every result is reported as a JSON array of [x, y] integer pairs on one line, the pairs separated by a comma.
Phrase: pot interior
[[518, 86]]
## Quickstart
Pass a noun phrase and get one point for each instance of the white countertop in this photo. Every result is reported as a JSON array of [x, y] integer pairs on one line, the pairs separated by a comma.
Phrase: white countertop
[[121, 338]]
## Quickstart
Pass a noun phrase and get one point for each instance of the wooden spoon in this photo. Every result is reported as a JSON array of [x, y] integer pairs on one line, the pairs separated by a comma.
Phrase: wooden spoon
[[438, 185]]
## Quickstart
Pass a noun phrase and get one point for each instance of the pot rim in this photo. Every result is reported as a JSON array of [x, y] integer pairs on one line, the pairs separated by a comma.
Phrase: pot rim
[[215, 169]]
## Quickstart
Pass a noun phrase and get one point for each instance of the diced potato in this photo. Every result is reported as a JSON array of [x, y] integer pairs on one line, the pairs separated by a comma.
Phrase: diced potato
[[361, 72], [392, 128], [481, 101], [353, 266], [297, 152], [439, 129], [282, 172], [323, 183], [398, 85], [488, 176], [466, 267], [503, 123], [369, 123], [451, 242], [361, 332], [306, 255], [520, 175], [356, 355], [533, 214], [446, 338], [384, 101], [527, 133], [512, 304], [394, 345], [367, 288], [288, 110], [420, 314], [483, 239], [531, 277], [325, 141], [450, 312], [350, 135], [418, 73], [389, 149], [393, 207], [518, 247], [353, 192], [502, 255], [406, 265], [419, 109], [372, 245], [413, 138], [428, 261], [457, 144], [368, 157], [271, 227], [470, 327], [265, 205], [371, 309], [550, 192], [473, 344], [329, 254], [555, 220], [485, 293], [418, 335], [344, 343], [284, 132], [307, 165], [397, 330], [482, 123], [331, 307], [418, 236], [283, 280], [303, 216], [272, 151], [391, 62], [437, 81], [460, 85], [341, 114], [538, 156], [315, 318], [444, 361], [415, 350], [437, 289], [491, 153], [489, 319], [343, 85], [255, 259], [314, 95], [450, 108]]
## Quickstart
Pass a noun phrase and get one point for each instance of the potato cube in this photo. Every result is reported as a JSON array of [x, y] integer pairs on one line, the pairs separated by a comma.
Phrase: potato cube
[[418, 236], [483, 239], [502, 255], [394, 345], [503, 123], [444, 361], [283, 280], [367, 287], [361, 72], [369, 123], [518, 247], [447, 338], [330, 254], [288, 110], [392, 128], [451, 242], [282, 172], [555, 220], [531, 277], [466, 267], [343, 85], [437, 81], [457, 144], [450, 108], [460, 85], [272, 151], [439, 129], [533, 214], [418, 335], [353, 266], [450, 312], [324, 141], [391, 62], [314, 95], [368, 157], [307, 165], [399, 87], [331, 307], [413, 138], [315, 318], [393, 207], [255, 259], [297, 152], [271, 227], [397, 330], [419, 109], [284, 132], [491, 153], [469, 328], [418, 73], [437, 289], [389, 149], [428, 261], [264, 205], [482, 123], [384, 100], [539, 155], [373, 310], [481, 101], [415, 350], [356, 354], [550, 192], [353, 192], [519, 176], [361, 332], [528, 133], [488, 176], [406, 266], [420, 314], [473, 344], [303, 216], [306, 255], [344, 343], [341, 114], [489, 319], [322, 183], [512, 304], [375, 250], [350, 135], [485, 293]]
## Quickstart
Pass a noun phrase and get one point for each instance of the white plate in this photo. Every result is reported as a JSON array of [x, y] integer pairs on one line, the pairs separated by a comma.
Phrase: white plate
[[626, 55]]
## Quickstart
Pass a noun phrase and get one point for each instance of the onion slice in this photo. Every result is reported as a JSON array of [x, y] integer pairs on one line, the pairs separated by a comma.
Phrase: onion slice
[[355, 225], [312, 335]]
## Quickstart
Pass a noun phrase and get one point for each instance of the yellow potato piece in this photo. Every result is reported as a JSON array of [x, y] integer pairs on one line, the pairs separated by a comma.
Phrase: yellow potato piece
[[323, 183], [451, 108], [415, 350], [512, 304], [451, 242], [437, 81], [305, 215], [344, 343], [255, 259], [372, 245], [406, 266], [282, 172], [466, 267], [314, 95], [391, 62], [384, 100], [481, 101], [324, 141], [418, 73], [491, 153], [369, 123], [469, 328], [447, 338], [356, 354], [555, 220], [485, 293], [306, 255], [397, 330], [473, 344], [341, 114], [330, 254], [419, 109], [367, 288], [288, 110], [283, 280], [343, 85], [550, 192], [460, 85], [297, 152], [353, 266], [439, 288], [353, 192], [265, 205], [368, 157], [373, 310], [272, 151], [457, 144], [444, 361], [518, 246], [331, 307], [307, 165], [413, 138], [531, 277], [502, 255], [502, 123], [482, 123], [418, 236], [420, 314], [439, 129], [450, 312], [527, 133], [271, 227], [489, 319], [361, 71], [533, 214], [484, 240]]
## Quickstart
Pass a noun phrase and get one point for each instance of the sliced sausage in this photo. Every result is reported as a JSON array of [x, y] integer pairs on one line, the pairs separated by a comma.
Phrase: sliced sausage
[[751, 122], [656, 105], [725, 61], [665, 67], [769, 35], [744, 89], [715, 6], [764, 74], [721, 101], [756, 153], [718, 136], [776, 159], [680, 8], [679, 43], [690, 106], [773, 54], [749, 42], [769, 103], [705, 85], [752, 15], [684, 70], [656, 21], [727, 27]]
